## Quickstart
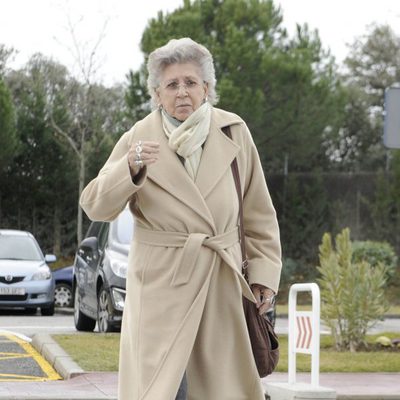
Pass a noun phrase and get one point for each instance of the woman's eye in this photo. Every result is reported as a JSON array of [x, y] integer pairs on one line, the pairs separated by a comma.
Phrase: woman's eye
[[191, 83], [172, 85]]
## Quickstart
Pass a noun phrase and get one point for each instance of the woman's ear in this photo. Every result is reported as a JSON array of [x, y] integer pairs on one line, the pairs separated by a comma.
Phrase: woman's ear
[[205, 91], [158, 98]]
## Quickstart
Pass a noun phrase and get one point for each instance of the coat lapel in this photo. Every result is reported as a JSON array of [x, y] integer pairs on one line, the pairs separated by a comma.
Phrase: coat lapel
[[169, 173], [218, 154]]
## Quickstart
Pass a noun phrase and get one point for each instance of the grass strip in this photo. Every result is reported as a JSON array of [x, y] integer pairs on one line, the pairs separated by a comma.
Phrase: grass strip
[[383, 360], [282, 309], [99, 352], [92, 351]]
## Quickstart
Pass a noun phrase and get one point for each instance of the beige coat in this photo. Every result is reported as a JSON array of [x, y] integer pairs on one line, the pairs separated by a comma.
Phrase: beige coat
[[183, 309]]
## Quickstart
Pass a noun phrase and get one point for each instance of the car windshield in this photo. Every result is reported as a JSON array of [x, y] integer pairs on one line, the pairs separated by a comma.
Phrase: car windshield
[[125, 227], [19, 248]]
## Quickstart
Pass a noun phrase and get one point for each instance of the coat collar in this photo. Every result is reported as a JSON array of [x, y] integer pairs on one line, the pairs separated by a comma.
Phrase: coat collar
[[169, 173], [218, 154]]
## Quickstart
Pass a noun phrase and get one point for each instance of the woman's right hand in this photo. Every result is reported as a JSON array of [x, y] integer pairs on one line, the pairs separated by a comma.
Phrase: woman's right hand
[[264, 296], [148, 155]]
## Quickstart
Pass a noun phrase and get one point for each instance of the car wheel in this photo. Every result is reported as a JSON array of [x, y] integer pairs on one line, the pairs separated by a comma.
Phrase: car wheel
[[104, 311], [82, 321], [63, 295], [47, 311]]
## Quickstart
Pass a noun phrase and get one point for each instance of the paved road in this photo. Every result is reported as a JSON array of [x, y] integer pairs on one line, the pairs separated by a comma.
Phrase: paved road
[[20, 362], [19, 321], [63, 322]]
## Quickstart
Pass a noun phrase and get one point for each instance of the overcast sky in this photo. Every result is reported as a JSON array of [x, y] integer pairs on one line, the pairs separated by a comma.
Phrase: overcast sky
[[41, 26]]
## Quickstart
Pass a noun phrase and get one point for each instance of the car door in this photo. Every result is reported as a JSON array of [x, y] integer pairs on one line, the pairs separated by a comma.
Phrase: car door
[[95, 265], [86, 260]]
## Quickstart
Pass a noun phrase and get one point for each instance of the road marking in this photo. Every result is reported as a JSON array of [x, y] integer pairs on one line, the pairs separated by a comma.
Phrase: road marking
[[20, 335], [30, 353], [20, 378], [6, 356]]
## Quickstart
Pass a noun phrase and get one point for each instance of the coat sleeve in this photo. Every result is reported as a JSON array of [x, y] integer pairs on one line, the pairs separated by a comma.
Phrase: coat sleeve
[[260, 222], [107, 194]]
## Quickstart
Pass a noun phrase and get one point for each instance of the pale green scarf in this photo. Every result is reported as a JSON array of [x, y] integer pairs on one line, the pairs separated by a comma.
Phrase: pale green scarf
[[187, 138]]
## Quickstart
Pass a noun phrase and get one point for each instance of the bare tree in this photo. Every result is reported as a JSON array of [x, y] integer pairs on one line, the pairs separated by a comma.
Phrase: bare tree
[[81, 129], [6, 53]]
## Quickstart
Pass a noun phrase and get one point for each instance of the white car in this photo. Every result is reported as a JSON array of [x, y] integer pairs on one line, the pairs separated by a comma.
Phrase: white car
[[26, 280]]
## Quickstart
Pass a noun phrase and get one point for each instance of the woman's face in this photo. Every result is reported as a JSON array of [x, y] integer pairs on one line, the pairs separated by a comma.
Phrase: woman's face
[[181, 90]]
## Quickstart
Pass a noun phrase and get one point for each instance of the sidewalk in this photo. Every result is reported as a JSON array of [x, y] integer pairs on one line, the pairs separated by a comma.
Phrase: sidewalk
[[360, 386], [100, 386], [88, 386], [103, 385]]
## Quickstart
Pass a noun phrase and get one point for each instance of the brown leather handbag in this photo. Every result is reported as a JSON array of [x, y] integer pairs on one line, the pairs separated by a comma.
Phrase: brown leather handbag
[[264, 341]]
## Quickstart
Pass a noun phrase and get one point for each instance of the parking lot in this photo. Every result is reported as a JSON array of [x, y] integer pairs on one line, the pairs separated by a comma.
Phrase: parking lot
[[19, 361]]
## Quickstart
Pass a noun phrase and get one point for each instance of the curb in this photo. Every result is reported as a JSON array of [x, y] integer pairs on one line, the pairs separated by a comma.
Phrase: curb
[[57, 357], [66, 397]]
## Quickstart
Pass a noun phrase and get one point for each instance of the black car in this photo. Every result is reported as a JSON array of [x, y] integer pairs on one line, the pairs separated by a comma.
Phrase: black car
[[99, 279]]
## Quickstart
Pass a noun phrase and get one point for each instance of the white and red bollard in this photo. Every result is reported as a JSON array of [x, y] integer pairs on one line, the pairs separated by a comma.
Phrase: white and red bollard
[[304, 331], [304, 337]]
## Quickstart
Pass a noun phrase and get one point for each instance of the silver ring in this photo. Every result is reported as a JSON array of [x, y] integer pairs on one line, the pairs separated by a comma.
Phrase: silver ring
[[270, 298], [139, 163], [138, 149]]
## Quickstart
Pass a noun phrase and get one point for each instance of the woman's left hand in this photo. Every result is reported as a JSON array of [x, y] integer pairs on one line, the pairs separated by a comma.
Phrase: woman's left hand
[[264, 296]]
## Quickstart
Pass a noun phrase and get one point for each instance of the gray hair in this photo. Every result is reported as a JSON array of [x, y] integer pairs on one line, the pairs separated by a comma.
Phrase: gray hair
[[182, 50]]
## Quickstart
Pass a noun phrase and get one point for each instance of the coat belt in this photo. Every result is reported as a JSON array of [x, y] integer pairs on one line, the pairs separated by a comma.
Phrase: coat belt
[[192, 244]]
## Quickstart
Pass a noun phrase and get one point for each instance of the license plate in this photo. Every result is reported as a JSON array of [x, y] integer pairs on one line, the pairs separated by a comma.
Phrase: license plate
[[17, 291]]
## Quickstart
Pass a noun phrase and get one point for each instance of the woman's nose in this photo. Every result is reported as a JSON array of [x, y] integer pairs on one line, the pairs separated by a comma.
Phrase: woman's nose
[[182, 91]]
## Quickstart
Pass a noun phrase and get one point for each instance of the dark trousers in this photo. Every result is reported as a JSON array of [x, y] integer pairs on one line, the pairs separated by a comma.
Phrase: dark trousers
[[182, 391]]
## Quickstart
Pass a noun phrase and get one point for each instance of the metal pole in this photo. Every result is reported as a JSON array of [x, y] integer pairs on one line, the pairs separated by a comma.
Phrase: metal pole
[[316, 334], [292, 337]]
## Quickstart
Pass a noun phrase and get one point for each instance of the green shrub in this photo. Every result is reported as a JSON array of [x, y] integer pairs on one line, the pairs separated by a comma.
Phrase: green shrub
[[352, 293], [290, 268], [295, 271], [375, 253]]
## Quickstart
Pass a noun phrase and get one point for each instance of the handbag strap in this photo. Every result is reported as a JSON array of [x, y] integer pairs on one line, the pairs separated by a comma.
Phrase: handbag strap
[[236, 177]]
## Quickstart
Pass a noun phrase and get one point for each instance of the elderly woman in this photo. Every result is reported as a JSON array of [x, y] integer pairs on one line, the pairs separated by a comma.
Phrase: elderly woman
[[183, 326]]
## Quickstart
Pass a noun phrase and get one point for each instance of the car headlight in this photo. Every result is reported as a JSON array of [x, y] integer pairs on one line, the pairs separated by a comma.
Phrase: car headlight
[[43, 273], [119, 268], [119, 298]]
